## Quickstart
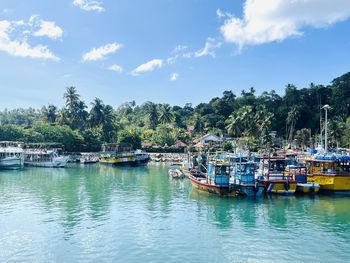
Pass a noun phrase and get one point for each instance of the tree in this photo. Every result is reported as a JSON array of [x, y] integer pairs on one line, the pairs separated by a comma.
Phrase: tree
[[49, 113], [72, 97], [152, 114], [130, 136], [165, 114], [97, 113], [303, 136], [292, 118]]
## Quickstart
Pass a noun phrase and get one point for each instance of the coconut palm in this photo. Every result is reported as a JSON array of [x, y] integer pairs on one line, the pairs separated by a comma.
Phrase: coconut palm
[[97, 113], [72, 97], [49, 113], [152, 114], [165, 114], [292, 118]]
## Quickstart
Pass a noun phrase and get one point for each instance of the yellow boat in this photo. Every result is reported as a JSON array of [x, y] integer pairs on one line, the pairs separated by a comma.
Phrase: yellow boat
[[332, 173], [118, 155]]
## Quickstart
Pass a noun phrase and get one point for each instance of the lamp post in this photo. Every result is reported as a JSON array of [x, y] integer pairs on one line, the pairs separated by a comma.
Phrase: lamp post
[[326, 108]]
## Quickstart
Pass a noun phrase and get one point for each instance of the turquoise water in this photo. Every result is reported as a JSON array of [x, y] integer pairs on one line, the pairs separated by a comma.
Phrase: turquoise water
[[96, 213]]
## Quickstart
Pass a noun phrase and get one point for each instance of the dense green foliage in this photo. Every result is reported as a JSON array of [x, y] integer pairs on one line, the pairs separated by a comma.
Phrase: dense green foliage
[[295, 116]]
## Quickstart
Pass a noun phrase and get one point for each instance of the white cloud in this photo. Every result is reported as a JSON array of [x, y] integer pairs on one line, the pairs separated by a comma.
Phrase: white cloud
[[174, 77], [49, 29], [267, 21], [89, 5], [101, 52], [18, 46], [149, 66], [180, 51], [209, 48], [220, 14], [116, 68]]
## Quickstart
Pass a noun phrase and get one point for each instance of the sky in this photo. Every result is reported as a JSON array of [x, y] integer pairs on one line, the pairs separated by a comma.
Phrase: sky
[[167, 51]]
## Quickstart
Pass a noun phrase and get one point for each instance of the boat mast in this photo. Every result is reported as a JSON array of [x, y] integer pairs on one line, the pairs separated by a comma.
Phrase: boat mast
[[326, 108]]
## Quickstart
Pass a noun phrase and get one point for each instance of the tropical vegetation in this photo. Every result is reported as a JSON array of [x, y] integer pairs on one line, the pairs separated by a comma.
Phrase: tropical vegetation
[[249, 118]]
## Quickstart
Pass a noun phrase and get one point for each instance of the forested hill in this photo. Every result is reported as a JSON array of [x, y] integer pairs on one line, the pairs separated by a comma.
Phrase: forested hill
[[295, 115]]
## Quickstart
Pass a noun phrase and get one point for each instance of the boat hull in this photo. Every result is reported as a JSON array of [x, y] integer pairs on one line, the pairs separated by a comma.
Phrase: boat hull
[[202, 185], [125, 161], [249, 190], [280, 187], [59, 162], [332, 183], [11, 164], [308, 188]]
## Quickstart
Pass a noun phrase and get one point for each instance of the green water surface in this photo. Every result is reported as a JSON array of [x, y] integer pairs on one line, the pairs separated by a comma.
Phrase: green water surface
[[96, 213]]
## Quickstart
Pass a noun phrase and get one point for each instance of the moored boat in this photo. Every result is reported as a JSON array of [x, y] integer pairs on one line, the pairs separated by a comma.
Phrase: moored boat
[[298, 172], [273, 176], [44, 155], [11, 155], [88, 158], [243, 179], [122, 155], [331, 172]]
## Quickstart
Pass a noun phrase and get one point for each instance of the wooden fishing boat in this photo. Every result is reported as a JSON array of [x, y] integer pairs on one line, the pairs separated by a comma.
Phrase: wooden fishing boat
[[331, 172], [298, 172], [273, 176], [215, 181], [243, 179]]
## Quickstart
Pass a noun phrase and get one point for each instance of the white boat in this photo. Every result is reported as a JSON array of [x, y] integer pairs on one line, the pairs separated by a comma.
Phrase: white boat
[[176, 173], [11, 156], [87, 158], [44, 158]]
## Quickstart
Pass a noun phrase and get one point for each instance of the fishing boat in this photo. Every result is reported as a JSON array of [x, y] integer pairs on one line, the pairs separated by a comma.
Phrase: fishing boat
[[44, 155], [141, 158], [88, 158], [176, 173], [243, 179], [216, 181], [273, 176], [11, 155], [331, 172], [122, 155], [304, 186]]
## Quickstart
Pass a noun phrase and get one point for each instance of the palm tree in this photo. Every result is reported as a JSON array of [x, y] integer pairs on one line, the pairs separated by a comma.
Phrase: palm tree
[[152, 113], [72, 97], [49, 113], [292, 118], [108, 125], [165, 115], [198, 123], [234, 126], [79, 115], [97, 113]]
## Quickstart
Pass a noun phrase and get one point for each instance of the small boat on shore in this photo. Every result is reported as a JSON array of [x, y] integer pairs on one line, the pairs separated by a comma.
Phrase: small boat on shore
[[11, 155], [176, 173]]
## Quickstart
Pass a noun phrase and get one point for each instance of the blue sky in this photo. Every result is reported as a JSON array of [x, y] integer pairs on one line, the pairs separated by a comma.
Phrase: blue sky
[[167, 51]]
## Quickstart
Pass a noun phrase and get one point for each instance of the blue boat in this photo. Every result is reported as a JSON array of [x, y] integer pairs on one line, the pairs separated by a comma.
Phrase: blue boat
[[243, 179]]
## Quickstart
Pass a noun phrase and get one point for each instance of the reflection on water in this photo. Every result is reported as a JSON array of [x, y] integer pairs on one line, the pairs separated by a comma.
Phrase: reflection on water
[[103, 213]]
